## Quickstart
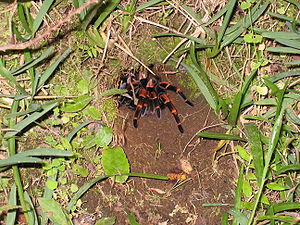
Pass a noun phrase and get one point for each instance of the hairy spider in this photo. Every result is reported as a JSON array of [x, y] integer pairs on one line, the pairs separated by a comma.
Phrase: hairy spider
[[147, 94]]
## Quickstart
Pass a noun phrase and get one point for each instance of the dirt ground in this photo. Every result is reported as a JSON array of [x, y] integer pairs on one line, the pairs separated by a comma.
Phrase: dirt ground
[[157, 147]]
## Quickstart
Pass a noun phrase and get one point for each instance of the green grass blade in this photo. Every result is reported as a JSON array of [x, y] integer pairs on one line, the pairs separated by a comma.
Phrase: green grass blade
[[22, 17], [73, 132], [32, 213], [217, 16], [293, 63], [296, 3], [33, 117], [34, 62], [106, 10], [235, 31], [286, 50], [284, 206], [192, 13], [45, 152], [279, 76], [202, 86], [197, 40], [50, 70], [32, 108], [287, 168], [92, 12], [40, 16], [273, 141], [148, 4], [45, 76], [293, 117], [282, 35], [14, 160], [282, 17], [231, 5], [256, 149], [289, 43], [221, 136], [11, 79], [12, 200], [239, 189], [238, 99]]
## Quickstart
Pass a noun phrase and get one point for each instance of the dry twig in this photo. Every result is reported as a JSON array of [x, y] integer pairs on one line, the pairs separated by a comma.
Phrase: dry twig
[[51, 29]]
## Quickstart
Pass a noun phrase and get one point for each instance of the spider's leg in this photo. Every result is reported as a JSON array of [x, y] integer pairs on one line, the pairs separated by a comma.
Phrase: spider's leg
[[155, 100], [166, 100], [142, 95], [168, 86]]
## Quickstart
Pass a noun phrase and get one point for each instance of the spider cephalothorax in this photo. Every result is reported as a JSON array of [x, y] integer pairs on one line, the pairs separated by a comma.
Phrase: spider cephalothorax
[[147, 94]]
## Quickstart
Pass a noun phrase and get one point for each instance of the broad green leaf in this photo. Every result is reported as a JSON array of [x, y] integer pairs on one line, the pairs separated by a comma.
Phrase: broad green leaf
[[76, 104], [114, 161], [93, 112], [113, 91], [54, 211], [104, 137], [221, 136], [256, 149], [243, 153], [106, 221], [276, 187], [132, 219], [293, 63], [247, 189], [40, 16], [83, 87], [74, 188], [79, 170], [286, 219], [239, 217]]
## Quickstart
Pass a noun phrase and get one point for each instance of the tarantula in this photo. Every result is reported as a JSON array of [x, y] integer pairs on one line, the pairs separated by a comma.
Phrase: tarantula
[[147, 94]]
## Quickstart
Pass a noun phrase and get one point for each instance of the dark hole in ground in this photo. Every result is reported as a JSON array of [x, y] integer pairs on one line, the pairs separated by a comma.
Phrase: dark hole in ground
[[154, 201]]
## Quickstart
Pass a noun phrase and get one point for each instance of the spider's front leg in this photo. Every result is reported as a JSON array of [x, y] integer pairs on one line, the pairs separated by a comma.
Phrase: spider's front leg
[[167, 86], [166, 101], [140, 108]]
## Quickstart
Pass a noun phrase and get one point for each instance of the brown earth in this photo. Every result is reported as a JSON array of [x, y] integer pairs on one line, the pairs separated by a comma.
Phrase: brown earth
[[157, 147]]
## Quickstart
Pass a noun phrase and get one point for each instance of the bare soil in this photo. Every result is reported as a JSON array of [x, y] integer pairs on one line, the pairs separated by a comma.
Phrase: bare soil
[[157, 147]]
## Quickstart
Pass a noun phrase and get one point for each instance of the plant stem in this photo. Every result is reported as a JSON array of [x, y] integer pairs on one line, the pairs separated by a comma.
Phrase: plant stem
[[16, 172]]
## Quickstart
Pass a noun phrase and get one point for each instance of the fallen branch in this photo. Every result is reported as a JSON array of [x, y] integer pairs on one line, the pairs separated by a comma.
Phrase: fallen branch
[[51, 29]]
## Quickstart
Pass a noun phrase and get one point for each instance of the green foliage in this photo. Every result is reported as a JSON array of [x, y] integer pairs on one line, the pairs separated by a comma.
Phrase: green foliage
[[114, 161]]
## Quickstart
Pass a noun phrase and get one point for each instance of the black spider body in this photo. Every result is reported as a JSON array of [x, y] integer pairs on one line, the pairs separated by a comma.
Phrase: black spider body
[[147, 94]]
